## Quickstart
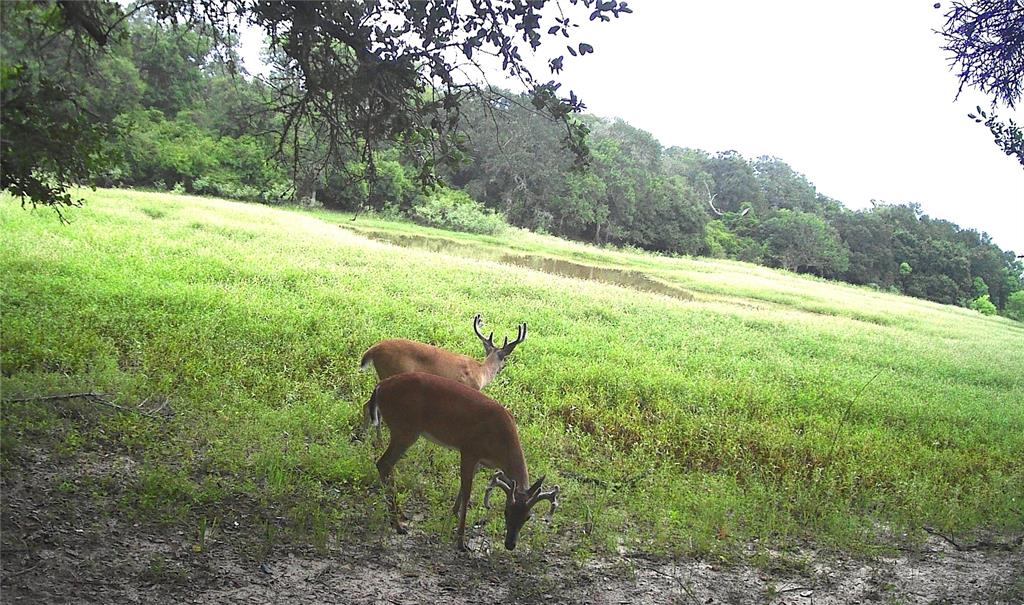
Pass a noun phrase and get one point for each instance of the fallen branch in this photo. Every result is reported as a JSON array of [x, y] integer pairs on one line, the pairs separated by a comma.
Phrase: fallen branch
[[90, 396], [583, 478], [86, 395], [980, 544]]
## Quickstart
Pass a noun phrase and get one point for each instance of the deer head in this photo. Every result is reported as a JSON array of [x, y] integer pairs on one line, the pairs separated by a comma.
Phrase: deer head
[[493, 351], [519, 503]]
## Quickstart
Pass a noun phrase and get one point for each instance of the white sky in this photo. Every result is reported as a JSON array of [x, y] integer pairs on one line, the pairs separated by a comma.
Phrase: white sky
[[857, 96]]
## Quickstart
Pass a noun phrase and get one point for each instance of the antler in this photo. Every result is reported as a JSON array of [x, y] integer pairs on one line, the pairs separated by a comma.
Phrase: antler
[[520, 337], [499, 479], [552, 496], [489, 345], [489, 341]]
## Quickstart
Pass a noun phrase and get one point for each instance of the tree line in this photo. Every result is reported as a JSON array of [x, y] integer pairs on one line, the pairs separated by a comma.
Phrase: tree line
[[182, 116], [636, 192]]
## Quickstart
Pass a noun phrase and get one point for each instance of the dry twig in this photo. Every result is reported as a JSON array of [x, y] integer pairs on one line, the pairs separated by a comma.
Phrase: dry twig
[[90, 396]]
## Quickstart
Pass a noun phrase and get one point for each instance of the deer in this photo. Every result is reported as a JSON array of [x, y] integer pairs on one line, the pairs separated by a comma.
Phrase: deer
[[461, 418], [398, 355]]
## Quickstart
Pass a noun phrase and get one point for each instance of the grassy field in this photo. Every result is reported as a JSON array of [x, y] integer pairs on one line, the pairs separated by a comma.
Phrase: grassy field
[[770, 406]]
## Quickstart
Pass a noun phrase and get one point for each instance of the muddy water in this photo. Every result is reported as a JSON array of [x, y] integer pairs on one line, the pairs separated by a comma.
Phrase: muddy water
[[629, 279], [635, 280]]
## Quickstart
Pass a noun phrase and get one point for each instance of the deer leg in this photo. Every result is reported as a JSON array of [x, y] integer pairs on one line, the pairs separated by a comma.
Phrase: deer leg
[[458, 497], [396, 448], [457, 505], [466, 472]]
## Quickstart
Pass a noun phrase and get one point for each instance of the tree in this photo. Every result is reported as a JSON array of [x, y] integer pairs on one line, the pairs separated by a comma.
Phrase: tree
[[980, 287], [869, 240], [1007, 136], [516, 164], [783, 187], [735, 184], [351, 75], [985, 39], [56, 130], [1015, 306], [802, 241], [170, 64]]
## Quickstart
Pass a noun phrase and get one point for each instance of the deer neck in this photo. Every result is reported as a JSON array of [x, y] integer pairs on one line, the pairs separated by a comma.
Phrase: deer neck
[[516, 469], [489, 368]]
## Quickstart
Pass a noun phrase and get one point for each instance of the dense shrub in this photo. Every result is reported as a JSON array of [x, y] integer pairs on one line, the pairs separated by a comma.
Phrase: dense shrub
[[344, 189], [393, 185], [453, 209], [982, 305], [720, 242], [178, 153]]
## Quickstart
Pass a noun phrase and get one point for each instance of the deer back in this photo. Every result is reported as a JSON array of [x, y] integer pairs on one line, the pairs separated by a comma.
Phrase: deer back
[[398, 356], [453, 415]]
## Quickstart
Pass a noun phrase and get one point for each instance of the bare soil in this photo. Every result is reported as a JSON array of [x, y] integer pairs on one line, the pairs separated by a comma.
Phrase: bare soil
[[63, 545]]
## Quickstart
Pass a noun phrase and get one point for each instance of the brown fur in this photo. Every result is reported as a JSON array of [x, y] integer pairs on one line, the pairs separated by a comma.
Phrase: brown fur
[[398, 355], [461, 418]]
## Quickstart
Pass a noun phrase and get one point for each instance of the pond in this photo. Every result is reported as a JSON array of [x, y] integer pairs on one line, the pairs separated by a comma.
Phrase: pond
[[635, 280]]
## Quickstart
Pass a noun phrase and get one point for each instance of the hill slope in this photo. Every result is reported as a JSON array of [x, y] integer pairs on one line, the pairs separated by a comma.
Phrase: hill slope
[[769, 406]]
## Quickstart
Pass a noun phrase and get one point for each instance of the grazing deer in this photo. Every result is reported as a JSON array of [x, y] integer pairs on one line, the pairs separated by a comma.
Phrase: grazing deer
[[398, 355], [464, 419]]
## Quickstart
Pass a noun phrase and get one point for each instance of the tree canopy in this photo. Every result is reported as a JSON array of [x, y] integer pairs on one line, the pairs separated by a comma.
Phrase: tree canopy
[[351, 76], [985, 40]]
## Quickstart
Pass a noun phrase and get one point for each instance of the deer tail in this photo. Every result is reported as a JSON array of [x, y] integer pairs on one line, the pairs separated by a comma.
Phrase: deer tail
[[367, 360], [371, 412]]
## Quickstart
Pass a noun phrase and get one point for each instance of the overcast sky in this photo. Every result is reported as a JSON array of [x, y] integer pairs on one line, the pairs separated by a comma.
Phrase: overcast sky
[[857, 96]]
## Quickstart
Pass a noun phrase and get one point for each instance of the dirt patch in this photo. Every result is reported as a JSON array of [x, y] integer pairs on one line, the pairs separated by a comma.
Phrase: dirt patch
[[61, 546]]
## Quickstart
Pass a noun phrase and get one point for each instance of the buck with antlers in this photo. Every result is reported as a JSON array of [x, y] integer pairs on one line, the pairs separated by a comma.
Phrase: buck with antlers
[[464, 419], [398, 355]]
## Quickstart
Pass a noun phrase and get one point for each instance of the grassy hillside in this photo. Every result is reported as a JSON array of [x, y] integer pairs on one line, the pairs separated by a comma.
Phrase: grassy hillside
[[671, 424]]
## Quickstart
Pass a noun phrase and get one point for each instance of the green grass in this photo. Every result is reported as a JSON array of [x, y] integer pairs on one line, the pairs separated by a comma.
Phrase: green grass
[[680, 426]]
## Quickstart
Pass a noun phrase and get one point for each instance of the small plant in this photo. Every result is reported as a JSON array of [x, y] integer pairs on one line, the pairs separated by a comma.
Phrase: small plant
[[206, 526]]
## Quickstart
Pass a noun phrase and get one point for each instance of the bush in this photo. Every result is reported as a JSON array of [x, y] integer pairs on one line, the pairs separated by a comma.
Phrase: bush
[[194, 160], [453, 209], [719, 242], [982, 305], [393, 185], [345, 189]]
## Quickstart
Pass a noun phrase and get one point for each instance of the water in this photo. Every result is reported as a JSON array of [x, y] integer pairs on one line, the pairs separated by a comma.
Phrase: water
[[628, 279], [635, 280]]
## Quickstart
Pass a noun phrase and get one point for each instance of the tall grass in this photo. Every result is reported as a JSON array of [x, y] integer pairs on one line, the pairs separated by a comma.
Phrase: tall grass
[[685, 426]]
